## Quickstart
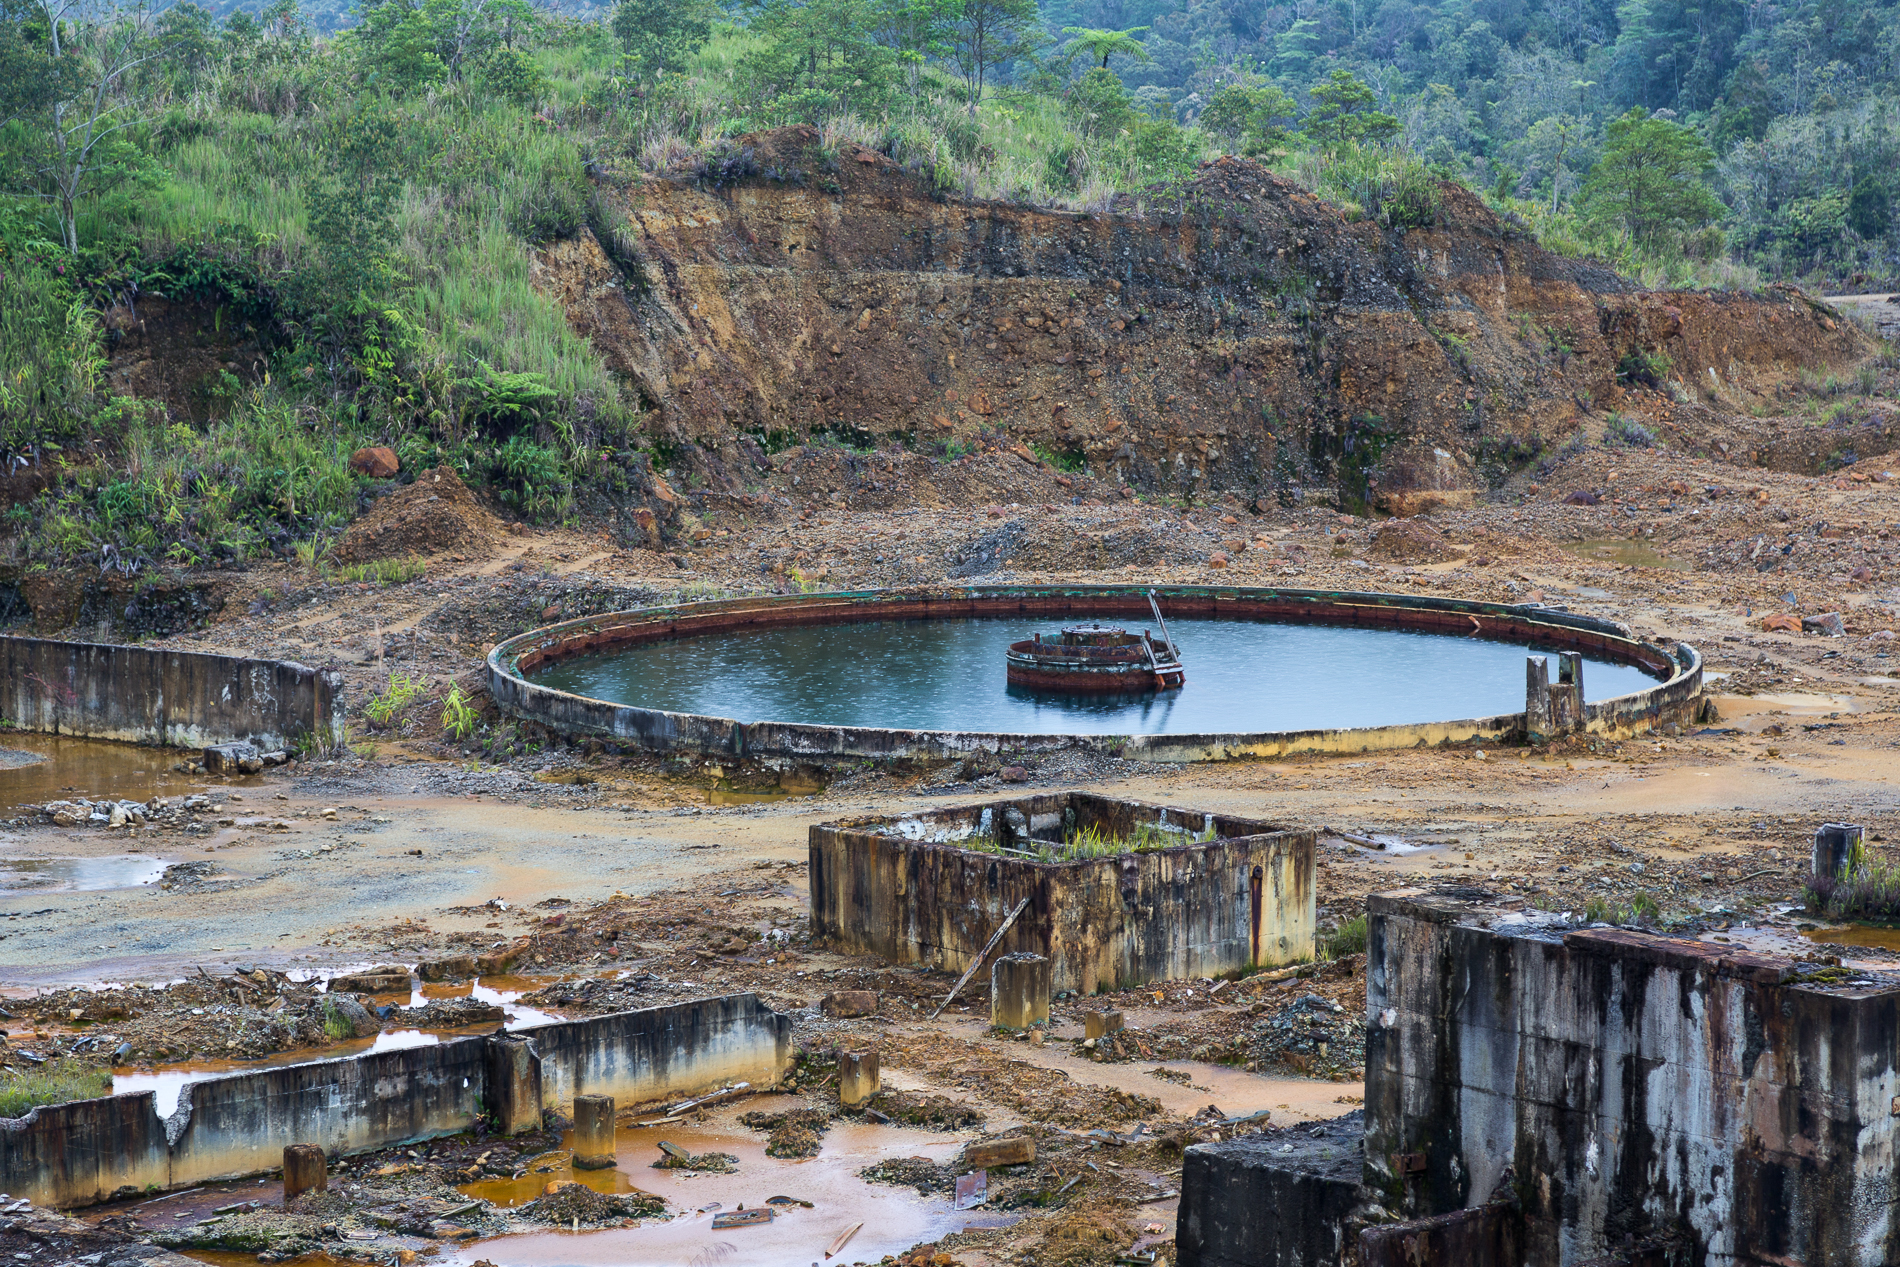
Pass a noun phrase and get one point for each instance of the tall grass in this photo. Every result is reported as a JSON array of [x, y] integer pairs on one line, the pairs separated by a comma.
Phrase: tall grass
[[55, 1082], [50, 354]]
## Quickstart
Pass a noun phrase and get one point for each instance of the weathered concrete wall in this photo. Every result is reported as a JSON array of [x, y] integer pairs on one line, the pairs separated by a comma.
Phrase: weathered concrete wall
[[1247, 1203], [662, 1053], [183, 698], [512, 663], [238, 1124], [882, 886], [1624, 1085]]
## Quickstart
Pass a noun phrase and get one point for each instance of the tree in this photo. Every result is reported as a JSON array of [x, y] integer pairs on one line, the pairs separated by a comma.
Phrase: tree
[[1342, 113], [1255, 115], [1102, 44], [1648, 185], [988, 34], [820, 57], [660, 35], [75, 92]]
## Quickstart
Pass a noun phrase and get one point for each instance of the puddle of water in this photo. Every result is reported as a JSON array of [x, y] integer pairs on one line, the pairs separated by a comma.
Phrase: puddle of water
[[558, 1169], [1856, 935], [500, 991], [78, 875], [894, 1218], [948, 675], [35, 769], [1622, 551]]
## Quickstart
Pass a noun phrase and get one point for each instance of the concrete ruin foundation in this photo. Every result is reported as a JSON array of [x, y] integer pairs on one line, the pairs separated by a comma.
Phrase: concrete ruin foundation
[[231, 1125], [1539, 1093], [934, 888]]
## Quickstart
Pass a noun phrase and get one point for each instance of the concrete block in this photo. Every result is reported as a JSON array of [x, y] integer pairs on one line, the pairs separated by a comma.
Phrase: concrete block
[[390, 979], [447, 968], [1477, 1237], [230, 758], [304, 1170], [1247, 1203], [514, 1084], [858, 1077], [1019, 991], [1017, 1150], [1537, 699], [593, 1132], [849, 1003], [1101, 1024], [497, 962], [1833, 845]]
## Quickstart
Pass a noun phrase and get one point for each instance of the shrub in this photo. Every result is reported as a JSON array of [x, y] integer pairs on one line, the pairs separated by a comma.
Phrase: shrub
[[1622, 432], [1651, 368], [1348, 939]]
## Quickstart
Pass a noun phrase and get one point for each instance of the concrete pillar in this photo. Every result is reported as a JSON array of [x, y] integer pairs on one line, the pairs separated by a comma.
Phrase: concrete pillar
[[858, 1077], [1833, 844], [1537, 699], [304, 1170], [593, 1132], [514, 1085], [1566, 695], [1101, 1024], [1019, 991]]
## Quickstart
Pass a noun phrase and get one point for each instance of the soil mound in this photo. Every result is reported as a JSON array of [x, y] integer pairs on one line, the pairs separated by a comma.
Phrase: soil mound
[[1402, 541], [435, 515]]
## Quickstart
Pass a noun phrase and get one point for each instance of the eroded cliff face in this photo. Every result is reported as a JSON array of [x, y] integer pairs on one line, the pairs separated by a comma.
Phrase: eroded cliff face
[[1247, 338]]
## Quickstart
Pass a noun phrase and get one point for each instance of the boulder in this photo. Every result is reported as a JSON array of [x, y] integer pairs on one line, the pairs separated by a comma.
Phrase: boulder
[[1827, 624], [344, 1017], [849, 1003], [376, 463]]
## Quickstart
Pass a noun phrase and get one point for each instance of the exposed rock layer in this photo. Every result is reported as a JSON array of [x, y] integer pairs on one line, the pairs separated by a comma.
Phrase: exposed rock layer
[[1245, 336]]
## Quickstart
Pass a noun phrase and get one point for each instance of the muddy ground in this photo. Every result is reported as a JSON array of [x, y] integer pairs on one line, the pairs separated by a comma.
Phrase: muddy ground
[[595, 880]]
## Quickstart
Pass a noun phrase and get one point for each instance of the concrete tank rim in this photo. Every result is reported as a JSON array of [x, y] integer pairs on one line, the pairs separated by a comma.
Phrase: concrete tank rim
[[521, 697]]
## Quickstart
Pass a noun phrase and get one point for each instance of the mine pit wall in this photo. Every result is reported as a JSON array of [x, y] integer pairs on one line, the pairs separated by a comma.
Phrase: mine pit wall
[[1673, 700], [185, 699], [1183, 911], [234, 1125], [1626, 1085]]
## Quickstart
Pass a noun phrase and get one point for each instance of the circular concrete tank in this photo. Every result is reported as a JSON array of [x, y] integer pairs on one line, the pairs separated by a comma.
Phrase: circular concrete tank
[[1674, 697]]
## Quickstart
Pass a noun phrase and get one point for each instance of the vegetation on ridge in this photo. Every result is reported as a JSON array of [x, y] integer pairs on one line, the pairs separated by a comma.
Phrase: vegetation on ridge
[[357, 196]]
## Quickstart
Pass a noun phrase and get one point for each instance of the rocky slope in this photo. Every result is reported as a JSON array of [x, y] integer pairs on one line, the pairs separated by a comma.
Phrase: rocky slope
[[1245, 336]]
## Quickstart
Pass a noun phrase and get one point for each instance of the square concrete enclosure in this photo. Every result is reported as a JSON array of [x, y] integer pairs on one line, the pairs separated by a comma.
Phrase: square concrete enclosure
[[1149, 894]]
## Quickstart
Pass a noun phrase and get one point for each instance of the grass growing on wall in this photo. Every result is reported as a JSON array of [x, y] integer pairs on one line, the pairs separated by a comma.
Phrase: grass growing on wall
[[55, 1082]]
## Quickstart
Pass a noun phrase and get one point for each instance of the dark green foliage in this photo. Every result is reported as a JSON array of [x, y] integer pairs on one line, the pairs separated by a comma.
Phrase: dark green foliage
[[659, 35], [1256, 116], [1649, 185], [1649, 368], [529, 476], [352, 213], [1342, 113]]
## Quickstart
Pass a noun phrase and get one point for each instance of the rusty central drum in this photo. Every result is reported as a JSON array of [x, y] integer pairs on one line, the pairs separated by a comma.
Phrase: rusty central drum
[[1095, 660]]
